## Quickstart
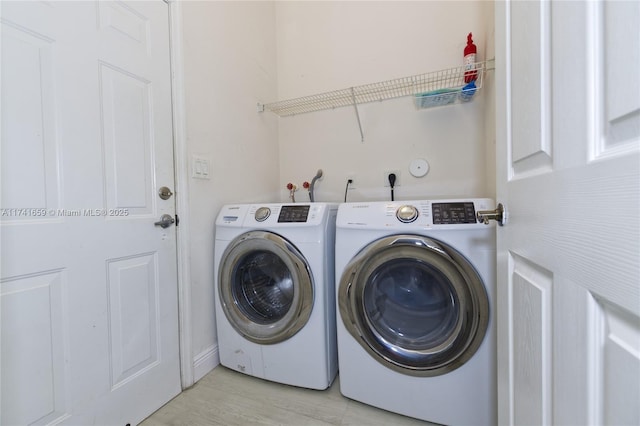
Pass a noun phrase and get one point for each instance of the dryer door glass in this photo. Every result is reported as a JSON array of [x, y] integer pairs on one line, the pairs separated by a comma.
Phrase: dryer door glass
[[411, 304], [415, 304], [265, 287]]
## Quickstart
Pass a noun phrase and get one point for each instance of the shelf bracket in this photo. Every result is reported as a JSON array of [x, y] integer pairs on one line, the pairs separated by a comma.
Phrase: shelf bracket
[[355, 106], [490, 64]]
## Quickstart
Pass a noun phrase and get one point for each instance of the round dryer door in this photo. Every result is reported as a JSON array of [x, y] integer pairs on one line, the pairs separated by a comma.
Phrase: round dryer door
[[415, 304], [265, 287]]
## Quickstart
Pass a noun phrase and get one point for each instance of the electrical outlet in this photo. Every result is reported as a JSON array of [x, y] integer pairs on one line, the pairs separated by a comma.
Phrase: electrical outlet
[[354, 181], [386, 177]]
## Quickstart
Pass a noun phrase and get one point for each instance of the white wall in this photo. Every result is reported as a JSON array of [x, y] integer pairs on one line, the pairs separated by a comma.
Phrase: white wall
[[229, 66], [325, 46]]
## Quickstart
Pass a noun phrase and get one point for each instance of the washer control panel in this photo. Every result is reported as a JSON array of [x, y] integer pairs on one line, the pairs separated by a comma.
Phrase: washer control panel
[[294, 213], [267, 215]]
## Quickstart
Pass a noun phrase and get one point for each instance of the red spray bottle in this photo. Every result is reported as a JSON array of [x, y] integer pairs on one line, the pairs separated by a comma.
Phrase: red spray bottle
[[470, 74]]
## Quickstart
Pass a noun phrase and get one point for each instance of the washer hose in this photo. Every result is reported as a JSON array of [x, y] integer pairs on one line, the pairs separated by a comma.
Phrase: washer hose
[[313, 182]]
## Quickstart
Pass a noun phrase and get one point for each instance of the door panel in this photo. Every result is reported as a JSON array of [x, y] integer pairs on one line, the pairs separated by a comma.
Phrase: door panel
[[133, 316], [88, 286], [530, 303], [569, 276], [620, 50], [126, 135], [531, 89], [28, 86], [118, 20], [621, 368], [34, 306]]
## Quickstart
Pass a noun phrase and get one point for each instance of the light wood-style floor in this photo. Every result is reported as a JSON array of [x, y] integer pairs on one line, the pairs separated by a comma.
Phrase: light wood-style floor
[[226, 397]]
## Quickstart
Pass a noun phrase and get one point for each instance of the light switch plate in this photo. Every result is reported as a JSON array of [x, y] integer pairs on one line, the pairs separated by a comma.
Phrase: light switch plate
[[200, 167]]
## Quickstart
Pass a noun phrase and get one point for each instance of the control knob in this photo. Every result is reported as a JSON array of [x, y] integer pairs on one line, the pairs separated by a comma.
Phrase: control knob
[[262, 214], [407, 214]]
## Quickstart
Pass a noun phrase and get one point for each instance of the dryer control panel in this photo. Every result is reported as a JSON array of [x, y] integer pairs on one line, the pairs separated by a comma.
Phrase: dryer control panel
[[453, 213], [402, 216]]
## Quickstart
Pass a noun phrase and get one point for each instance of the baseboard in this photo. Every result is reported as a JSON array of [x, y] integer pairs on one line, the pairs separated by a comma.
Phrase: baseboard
[[205, 361]]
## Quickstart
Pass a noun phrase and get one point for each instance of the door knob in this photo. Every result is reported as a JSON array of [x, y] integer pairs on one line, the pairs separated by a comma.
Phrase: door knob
[[165, 221], [499, 215]]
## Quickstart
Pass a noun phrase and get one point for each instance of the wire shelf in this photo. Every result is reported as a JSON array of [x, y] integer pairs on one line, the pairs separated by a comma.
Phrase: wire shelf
[[430, 89]]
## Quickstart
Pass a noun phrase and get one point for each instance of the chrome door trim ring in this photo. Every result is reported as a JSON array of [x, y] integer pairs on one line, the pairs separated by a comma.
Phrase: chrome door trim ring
[[296, 318], [466, 283]]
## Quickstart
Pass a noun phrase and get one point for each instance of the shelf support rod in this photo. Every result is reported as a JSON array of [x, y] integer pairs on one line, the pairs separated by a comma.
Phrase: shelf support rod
[[355, 106]]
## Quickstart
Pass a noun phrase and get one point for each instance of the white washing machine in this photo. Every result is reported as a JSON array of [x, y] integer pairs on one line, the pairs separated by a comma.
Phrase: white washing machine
[[415, 291], [275, 292]]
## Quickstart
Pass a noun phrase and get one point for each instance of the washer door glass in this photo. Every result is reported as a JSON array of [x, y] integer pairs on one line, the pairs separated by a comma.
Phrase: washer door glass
[[265, 287], [262, 286], [415, 304]]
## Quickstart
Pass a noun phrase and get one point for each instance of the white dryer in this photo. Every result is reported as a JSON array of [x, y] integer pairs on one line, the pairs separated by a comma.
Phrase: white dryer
[[415, 291], [275, 292]]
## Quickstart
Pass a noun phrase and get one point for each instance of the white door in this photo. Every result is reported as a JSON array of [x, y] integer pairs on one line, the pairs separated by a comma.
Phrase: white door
[[89, 325], [568, 142]]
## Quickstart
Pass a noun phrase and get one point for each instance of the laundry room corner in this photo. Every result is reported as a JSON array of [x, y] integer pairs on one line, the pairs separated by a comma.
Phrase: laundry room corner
[[238, 55], [228, 60]]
